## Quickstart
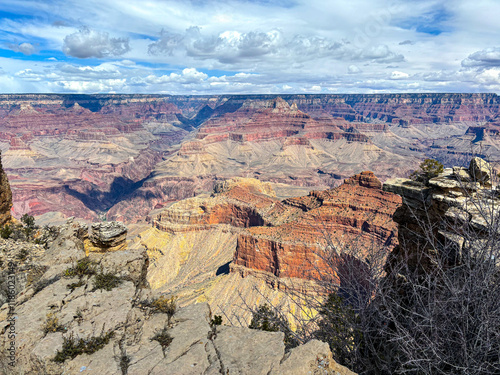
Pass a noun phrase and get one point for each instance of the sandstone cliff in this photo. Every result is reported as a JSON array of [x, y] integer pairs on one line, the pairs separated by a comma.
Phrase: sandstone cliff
[[5, 197], [356, 215]]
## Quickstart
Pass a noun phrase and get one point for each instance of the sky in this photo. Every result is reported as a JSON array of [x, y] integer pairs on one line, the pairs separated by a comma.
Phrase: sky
[[244, 47]]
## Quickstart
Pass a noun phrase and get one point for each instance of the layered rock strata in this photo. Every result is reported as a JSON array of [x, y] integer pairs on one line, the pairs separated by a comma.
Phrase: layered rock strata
[[5, 197], [287, 239], [433, 216], [84, 155], [272, 141], [352, 219], [108, 236]]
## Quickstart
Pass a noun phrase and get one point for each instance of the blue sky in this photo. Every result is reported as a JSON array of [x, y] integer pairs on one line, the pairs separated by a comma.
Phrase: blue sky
[[229, 46]]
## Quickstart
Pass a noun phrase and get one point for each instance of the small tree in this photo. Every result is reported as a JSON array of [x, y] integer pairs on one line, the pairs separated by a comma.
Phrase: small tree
[[268, 319], [429, 168], [338, 326], [29, 224]]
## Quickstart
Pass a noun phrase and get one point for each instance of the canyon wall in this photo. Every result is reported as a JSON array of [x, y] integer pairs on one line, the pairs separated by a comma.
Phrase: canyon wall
[[124, 155], [5, 197], [302, 237]]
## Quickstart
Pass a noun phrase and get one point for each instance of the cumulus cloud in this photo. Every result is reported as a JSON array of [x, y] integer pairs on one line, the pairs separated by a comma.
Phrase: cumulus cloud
[[187, 76], [485, 58], [234, 47], [24, 48], [91, 43]]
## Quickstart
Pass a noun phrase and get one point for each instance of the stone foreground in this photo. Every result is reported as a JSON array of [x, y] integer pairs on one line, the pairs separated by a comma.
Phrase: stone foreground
[[44, 289]]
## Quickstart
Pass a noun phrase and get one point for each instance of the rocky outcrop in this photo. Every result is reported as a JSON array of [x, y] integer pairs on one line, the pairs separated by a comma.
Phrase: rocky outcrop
[[431, 215], [108, 236], [5, 197], [286, 239]]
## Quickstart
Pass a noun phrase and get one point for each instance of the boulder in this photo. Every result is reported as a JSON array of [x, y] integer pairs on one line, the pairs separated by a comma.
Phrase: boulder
[[480, 170], [108, 236]]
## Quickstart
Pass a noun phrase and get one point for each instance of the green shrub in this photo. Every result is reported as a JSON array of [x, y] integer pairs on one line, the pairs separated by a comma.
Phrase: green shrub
[[165, 305], [337, 328], [83, 267], [52, 324], [106, 281], [6, 231], [216, 321], [73, 346], [29, 224], [429, 168], [268, 319]]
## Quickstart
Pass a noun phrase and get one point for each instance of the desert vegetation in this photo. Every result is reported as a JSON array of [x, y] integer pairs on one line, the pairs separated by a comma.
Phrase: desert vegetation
[[23, 230], [74, 346]]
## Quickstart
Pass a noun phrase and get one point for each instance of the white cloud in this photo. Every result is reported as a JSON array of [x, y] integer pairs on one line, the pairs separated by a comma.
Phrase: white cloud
[[187, 76], [232, 47], [399, 75], [353, 69], [102, 86], [90, 43], [24, 48], [253, 46], [486, 57]]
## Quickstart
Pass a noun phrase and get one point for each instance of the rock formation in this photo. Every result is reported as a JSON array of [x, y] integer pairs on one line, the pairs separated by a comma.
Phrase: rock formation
[[5, 197], [109, 236], [103, 306], [84, 155], [356, 215], [431, 214], [244, 242]]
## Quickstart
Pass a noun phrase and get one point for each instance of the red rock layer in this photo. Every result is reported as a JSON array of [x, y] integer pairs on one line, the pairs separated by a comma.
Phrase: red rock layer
[[358, 213], [288, 238], [257, 121]]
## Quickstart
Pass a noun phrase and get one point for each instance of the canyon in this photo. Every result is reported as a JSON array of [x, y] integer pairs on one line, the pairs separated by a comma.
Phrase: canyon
[[121, 156], [225, 202]]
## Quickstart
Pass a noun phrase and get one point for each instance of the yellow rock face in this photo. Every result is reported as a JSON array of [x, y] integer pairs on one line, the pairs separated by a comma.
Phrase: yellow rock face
[[185, 257], [91, 248]]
